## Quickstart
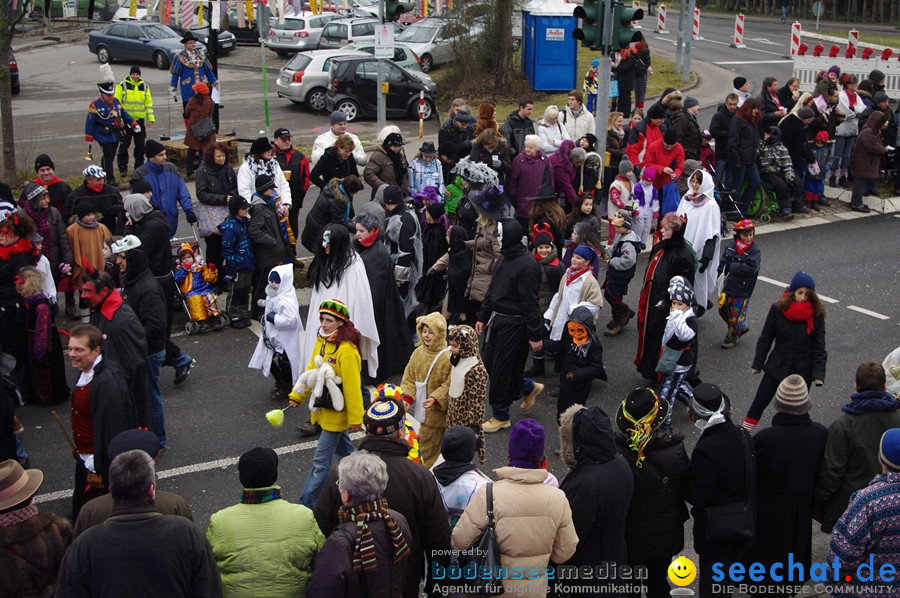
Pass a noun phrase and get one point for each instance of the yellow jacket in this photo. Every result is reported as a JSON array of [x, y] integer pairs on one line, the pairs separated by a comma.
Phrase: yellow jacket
[[347, 364], [136, 99]]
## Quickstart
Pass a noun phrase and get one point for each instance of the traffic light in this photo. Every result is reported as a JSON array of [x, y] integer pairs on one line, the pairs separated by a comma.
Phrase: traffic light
[[393, 9], [623, 33], [591, 31]]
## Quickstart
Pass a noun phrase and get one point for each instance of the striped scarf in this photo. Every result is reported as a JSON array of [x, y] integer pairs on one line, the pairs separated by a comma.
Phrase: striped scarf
[[364, 549]]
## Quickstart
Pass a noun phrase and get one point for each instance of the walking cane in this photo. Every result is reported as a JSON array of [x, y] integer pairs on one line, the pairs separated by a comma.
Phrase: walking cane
[[65, 432]]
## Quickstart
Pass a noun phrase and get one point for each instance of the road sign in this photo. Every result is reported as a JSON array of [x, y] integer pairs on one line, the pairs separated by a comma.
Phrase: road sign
[[384, 41]]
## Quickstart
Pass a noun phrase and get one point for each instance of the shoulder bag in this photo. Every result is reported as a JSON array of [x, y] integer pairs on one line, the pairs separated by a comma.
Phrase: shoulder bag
[[203, 128], [734, 522], [422, 389], [483, 556]]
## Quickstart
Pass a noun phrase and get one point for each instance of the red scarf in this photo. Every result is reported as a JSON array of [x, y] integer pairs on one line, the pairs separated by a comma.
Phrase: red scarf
[[851, 99], [94, 188], [798, 312], [572, 275], [741, 247], [369, 240], [22, 245]]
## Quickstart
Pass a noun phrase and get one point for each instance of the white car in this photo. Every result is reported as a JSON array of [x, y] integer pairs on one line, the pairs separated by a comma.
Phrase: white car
[[432, 39], [298, 32]]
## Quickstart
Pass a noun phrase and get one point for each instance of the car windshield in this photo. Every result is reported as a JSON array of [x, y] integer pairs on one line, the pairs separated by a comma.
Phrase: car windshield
[[417, 35], [159, 32], [291, 25]]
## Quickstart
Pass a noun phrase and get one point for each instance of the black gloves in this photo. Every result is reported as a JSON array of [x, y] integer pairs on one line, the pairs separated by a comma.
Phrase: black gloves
[[190, 216]]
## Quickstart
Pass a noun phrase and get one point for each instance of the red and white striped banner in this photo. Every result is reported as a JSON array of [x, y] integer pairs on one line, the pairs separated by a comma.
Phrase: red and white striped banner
[[695, 27], [187, 14], [661, 19], [795, 38]]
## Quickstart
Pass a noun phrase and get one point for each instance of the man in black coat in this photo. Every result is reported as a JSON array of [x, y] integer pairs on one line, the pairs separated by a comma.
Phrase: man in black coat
[[717, 476], [518, 124], [510, 318], [770, 104], [411, 490], [718, 128], [455, 142]]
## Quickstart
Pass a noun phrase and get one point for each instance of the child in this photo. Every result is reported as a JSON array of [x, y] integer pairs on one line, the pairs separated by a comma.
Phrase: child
[[551, 273], [86, 236], [582, 360], [43, 266], [278, 349], [45, 371], [458, 264], [621, 193], [109, 260], [590, 86], [392, 392], [337, 342], [426, 170], [814, 185], [427, 378], [741, 267], [468, 383], [619, 272], [195, 279], [585, 211], [646, 206], [237, 250], [587, 178], [577, 287], [679, 345], [585, 233]]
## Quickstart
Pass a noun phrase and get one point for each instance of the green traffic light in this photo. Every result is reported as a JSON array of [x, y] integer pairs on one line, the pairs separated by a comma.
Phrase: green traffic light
[[623, 33], [591, 15]]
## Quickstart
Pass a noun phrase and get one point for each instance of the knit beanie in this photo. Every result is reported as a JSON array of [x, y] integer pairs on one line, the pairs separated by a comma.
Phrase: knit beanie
[[338, 117], [383, 418], [680, 290], [670, 137], [526, 444], [264, 182], [153, 148], [141, 186], [802, 279], [792, 396], [258, 468], [739, 82], [586, 252], [648, 173], [656, 111], [690, 102], [459, 444], [33, 194], [889, 449], [43, 160], [805, 113], [625, 166]]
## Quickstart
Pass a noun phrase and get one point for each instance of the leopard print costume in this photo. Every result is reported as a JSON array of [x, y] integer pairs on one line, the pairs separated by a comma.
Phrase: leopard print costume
[[468, 384]]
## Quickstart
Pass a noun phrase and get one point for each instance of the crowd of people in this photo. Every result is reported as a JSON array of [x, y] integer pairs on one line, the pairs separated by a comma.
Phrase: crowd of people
[[500, 243]]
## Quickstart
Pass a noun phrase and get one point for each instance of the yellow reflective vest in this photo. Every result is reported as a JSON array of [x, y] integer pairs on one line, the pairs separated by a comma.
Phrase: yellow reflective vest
[[136, 99]]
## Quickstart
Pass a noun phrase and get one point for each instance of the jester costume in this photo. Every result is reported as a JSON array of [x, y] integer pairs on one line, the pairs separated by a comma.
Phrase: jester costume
[[195, 283], [106, 119]]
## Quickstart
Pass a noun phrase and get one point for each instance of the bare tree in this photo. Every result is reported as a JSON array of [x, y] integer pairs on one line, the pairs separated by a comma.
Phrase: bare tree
[[502, 55], [8, 21]]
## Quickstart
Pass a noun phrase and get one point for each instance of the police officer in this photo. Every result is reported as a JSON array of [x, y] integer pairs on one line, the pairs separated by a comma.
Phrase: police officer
[[104, 124], [134, 95]]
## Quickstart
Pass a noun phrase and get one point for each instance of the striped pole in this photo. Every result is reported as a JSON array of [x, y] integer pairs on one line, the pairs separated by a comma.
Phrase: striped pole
[[795, 38], [696, 26], [853, 40], [738, 32], [661, 19], [187, 14]]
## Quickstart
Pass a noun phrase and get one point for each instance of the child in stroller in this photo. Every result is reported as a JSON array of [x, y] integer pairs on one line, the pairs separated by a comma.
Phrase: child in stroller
[[194, 278]]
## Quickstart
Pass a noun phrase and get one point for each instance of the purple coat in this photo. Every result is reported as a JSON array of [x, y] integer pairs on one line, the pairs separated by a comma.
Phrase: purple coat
[[564, 172], [530, 177]]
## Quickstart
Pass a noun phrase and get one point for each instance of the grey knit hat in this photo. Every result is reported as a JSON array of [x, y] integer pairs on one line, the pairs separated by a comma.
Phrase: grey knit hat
[[792, 396], [625, 165]]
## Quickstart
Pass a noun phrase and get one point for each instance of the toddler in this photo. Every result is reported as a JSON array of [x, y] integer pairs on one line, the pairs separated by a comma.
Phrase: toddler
[[468, 383], [195, 279], [679, 345], [646, 206], [278, 349], [620, 269], [814, 181]]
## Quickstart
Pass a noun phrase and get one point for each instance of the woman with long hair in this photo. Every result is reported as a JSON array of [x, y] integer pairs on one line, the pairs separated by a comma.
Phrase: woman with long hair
[[743, 149], [216, 184], [794, 332]]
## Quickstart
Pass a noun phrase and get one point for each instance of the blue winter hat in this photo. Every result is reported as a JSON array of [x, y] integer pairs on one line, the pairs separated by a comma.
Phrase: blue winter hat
[[586, 252], [595, 63], [802, 279], [889, 449]]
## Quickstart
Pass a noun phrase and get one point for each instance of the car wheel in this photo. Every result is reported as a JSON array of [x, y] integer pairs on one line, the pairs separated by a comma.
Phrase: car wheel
[[281, 53], [16, 88], [315, 99], [349, 108], [103, 54], [160, 60], [427, 63], [427, 111]]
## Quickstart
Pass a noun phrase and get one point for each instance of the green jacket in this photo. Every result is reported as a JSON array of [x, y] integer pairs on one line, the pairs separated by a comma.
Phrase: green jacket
[[775, 159], [264, 549], [850, 461], [136, 99]]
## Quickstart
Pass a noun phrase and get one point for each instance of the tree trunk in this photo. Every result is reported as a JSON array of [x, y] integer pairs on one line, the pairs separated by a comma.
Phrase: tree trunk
[[8, 22], [502, 64]]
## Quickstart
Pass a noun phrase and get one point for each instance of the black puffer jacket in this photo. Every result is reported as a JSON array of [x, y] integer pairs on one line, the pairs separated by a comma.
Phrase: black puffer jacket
[[584, 368], [654, 528], [599, 486], [330, 166], [793, 136], [269, 247], [153, 231], [210, 190], [719, 126], [145, 296], [795, 351], [330, 206], [689, 135], [743, 142]]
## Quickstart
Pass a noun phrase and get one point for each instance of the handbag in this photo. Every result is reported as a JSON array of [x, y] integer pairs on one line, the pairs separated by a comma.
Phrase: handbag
[[483, 556], [613, 88], [422, 389], [209, 218], [668, 360], [734, 522], [203, 128]]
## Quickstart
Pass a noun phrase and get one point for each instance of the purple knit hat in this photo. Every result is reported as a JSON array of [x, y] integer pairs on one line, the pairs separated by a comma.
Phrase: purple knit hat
[[526, 444]]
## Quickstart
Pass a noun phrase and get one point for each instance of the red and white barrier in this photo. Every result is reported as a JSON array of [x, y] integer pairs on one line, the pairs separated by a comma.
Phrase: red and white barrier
[[695, 28], [795, 38], [738, 32], [853, 40], [661, 19], [636, 24]]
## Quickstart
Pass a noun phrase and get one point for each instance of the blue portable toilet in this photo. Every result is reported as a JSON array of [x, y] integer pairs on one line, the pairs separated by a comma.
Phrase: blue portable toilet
[[549, 53]]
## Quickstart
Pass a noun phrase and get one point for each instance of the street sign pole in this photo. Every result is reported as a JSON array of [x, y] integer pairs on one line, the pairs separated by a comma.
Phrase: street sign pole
[[686, 70], [262, 25], [381, 108], [603, 84], [680, 38]]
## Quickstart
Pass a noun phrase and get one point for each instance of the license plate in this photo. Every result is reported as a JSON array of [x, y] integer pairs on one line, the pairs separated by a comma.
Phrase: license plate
[[227, 44], [285, 40], [285, 79]]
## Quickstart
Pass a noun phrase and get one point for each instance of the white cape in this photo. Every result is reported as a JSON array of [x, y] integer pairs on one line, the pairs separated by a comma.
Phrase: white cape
[[703, 223]]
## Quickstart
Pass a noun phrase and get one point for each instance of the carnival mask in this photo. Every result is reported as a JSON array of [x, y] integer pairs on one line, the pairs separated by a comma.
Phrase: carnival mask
[[578, 332]]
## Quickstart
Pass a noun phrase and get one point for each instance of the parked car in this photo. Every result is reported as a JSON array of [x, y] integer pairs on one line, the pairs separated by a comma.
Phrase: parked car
[[432, 39], [248, 34], [341, 32], [135, 41], [227, 40], [304, 78], [298, 32], [353, 83], [13, 74], [103, 9], [403, 54]]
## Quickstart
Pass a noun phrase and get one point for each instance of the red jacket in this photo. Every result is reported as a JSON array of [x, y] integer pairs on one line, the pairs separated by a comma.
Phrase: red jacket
[[639, 139], [658, 157]]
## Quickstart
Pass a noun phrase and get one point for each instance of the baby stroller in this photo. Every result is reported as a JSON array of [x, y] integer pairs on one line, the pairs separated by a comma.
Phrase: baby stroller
[[731, 211], [193, 283]]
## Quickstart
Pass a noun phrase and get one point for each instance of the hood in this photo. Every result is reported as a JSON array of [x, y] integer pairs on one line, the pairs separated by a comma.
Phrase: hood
[[436, 322], [137, 264], [511, 238], [137, 205], [585, 436], [707, 186], [333, 190], [565, 147], [876, 120], [582, 315], [286, 272], [458, 238], [467, 340]]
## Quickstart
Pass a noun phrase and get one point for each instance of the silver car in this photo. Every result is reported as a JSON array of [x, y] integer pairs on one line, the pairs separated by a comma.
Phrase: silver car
[[298, 33], [340, 32], [304, 78], [432, 39]]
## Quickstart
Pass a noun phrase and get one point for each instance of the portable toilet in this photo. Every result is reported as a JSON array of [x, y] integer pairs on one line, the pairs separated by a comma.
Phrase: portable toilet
[[549, 52]]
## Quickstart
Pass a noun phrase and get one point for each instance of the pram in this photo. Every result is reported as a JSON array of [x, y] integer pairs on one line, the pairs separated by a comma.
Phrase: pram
[[731, 211], [200, 302]]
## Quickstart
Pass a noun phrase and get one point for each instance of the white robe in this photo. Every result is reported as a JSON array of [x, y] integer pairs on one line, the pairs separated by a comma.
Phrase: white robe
[[284, 333], [704, 222], [354, 290]]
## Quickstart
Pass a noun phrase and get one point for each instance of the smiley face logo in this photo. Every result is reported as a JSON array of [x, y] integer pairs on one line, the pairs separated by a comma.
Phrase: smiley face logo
[[682, 571]]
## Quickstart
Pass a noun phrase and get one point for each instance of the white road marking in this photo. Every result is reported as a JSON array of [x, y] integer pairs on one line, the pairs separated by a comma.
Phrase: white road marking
[[739, 62], [867, 312], [198, 467], [778, 283], [712, 41]]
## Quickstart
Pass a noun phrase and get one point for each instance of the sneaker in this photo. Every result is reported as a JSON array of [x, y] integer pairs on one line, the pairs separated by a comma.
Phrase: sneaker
[[181, 374], [804, 210], [493, 425], [309, 429], [864, 209], [18, 428], [727, 343], [528, 401]]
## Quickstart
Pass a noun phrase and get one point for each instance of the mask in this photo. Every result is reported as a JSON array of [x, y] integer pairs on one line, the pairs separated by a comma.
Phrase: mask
[[578, 332]]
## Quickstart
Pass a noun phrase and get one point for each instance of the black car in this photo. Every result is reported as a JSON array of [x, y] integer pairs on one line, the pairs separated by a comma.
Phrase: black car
[[13, 73], [227, 40], [353, 89]]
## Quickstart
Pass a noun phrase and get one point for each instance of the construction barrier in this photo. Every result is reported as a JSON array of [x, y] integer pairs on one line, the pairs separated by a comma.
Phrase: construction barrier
[[795, 38], [738, 32], [636, 24], [661, 19], [695, 28]]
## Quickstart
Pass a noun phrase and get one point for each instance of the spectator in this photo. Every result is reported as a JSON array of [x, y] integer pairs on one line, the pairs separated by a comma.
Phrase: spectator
[[492, 149], [134, 95], [850, 459], [263, 544], [770, 104], [335, 162], [741, 89], [577, 120], [426, 171], [530, 177], [455, 141], [685, 124], [719, 126], [50, 225], [616, 140], [865, 159], [551, 132], [136, 545], [388, 165], [845, 134], [518, 125], [457, 477], [533, 519], [590, 85], [198, 108], [216, 184], [564, 163], [624, 68], [777, 171], [789, 93], [743, 150], [793, 134], [642, 68], [105, 197], [260, 161], [644, 133], [58, 189], [169, 190], [666, 156], [333, 205], [338, 122]]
